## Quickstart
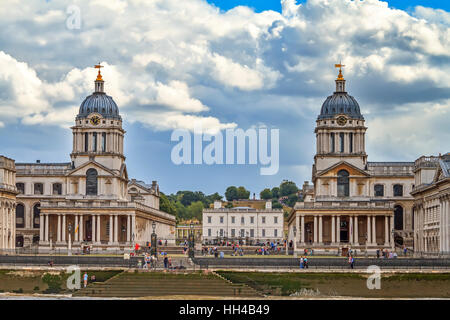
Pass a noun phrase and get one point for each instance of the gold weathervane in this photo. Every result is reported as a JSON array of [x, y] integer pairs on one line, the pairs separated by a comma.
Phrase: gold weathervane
[[99, 75], [340, 65]]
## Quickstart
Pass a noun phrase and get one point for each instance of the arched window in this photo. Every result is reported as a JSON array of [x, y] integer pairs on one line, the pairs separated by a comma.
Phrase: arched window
[[379, 190], [36, 216], [398, 190], [398, 217], [343, 184], [20, 216], [91, 182], [38, 188]]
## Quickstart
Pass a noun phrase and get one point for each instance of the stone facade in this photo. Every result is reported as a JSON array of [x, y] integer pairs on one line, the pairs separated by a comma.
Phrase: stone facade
[[89, 201], [354, 203], [7, 204], [432, 205]]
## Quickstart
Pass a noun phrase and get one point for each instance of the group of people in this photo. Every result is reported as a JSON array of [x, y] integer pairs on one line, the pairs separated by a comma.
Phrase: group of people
[[304, 262], [386, 254]]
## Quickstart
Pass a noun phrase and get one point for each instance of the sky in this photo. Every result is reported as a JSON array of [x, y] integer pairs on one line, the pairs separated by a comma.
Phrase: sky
[[169, 64]]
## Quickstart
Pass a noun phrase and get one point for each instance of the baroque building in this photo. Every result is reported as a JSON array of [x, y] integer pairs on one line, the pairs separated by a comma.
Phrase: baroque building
[[432, 205], [90, 200], [354, 203], [8, 194]]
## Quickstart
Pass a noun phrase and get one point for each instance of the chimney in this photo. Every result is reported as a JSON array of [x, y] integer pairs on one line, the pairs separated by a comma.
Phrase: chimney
[[268, 205], [254, 196], [38, 161]]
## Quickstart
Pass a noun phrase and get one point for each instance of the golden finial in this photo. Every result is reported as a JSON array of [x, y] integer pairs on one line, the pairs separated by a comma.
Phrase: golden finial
[[340, 65], [99, 75]]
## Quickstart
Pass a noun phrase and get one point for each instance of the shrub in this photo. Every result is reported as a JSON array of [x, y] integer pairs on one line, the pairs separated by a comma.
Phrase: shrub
[[53, 282]]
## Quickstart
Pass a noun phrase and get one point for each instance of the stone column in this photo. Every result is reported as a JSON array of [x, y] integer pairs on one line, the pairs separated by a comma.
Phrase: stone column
[[351, 231], [110, 229], [320, 229], [297, 226], [128, 228], [333, 230], [46, 227], [133, 228], [58, 237], [356, 231], [116, 229], [338, 229], [374, 230], [93, 229], [315, 229], [98, 238], [81, 229], [64, 228], [369, 233], [386, 231], [392, 236], [41, 226], [302, 226]]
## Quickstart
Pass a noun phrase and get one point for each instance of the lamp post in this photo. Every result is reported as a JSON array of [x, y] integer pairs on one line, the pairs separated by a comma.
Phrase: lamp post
[[366, 237], [393, 239], [191, 240], [246, 238], [69, 231], [295, 242], [153, 240]]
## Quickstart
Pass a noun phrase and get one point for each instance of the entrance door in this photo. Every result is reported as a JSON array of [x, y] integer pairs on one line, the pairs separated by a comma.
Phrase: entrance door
[[88, 230], [344, 231]]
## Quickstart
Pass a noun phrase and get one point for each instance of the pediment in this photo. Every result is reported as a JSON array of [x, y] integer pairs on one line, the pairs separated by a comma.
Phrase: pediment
[[343, 165], [101, 169]]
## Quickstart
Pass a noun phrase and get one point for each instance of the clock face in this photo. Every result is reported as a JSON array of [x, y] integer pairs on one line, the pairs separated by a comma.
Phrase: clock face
[[95, 120], [341, 120]]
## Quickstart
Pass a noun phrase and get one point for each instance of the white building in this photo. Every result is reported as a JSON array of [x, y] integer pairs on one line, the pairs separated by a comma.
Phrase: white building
[[432, 205], [8, 193], [245, 224]]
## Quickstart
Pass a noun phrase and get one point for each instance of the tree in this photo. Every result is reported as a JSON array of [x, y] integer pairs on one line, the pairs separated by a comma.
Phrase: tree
[[243, 193], [266, 194], [292, 199], [231, 193], [275, 192], [276, 205], [195, 210], [166, 205], [287, 188]]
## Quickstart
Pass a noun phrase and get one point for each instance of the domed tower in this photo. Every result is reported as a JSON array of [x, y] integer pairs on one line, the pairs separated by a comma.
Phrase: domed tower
[[340, 130], [98, 133]]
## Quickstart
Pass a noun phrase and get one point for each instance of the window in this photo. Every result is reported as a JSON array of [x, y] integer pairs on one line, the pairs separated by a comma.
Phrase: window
[[275, 233], [20, 216], [263, 232], [221, 219], [341, 138], [379, 190], [209, 219], [94, 141], [343, 183], [252, 233], [233, 232], [86, 142], [20, 187], [252, 219], [209, 232], [351, 141], [36, 216], [221, 232], [38, 188], [263, 219], [91, 182], [398, 190], [57, 188], [242, 220], [275, 220], [232, 219], [398, 217], [104, 141], [332, 142], [242, 233]]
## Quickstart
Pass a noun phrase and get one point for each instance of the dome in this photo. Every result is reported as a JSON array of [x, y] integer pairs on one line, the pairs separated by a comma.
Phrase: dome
[[100, 103], [340, 103]]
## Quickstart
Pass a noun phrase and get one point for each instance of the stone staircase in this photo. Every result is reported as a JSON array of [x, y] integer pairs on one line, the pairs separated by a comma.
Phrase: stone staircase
[[144, 284]]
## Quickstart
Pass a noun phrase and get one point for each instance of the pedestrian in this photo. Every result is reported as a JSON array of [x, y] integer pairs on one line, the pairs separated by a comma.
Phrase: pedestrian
[[305, 261], [301, 263], [351, 262], [166, 262], [378, 253], [405, 250], [85, 278]]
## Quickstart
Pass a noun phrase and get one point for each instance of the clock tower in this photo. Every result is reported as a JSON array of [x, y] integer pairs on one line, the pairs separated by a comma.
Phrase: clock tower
[[340, 131], [98, 134]]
